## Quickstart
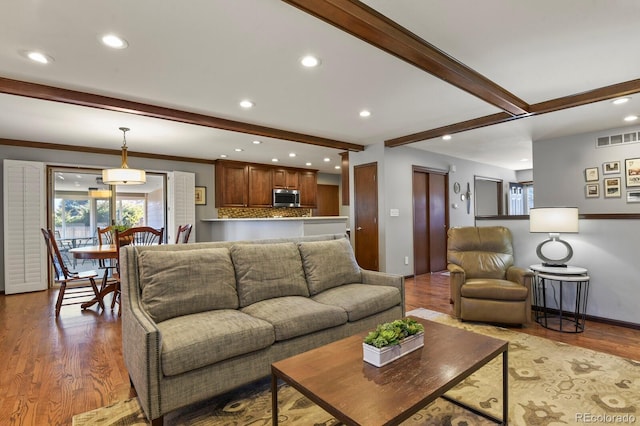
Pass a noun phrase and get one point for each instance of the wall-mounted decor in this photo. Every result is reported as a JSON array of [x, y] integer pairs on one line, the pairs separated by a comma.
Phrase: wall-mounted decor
[[612, 187], [632, 171], [456, 187], [591, 174], [592, 190], [633, 196], [201, 195], [611, 168]]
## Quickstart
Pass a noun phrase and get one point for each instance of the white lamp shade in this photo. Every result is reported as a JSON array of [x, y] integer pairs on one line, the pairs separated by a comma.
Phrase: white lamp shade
[[553, 219], [123, 176]]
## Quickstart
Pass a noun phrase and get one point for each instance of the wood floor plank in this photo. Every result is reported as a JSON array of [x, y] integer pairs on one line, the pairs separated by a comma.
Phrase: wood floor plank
[[56, 368]]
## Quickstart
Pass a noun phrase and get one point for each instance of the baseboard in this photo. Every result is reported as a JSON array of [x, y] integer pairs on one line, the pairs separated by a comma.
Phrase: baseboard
[[609, 321]]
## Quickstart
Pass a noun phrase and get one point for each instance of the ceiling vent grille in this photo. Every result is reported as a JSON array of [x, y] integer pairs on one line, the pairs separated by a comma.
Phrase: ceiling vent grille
[[619, 139]]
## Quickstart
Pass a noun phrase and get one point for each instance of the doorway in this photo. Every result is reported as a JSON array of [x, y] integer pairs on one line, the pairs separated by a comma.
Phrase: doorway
[[366, 215], [430, 220], [488, 200]]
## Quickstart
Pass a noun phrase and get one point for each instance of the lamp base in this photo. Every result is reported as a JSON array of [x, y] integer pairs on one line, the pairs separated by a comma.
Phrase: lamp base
[[556, 261]]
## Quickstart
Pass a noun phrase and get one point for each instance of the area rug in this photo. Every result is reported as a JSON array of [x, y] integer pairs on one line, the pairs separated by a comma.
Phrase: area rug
[[550, 383]]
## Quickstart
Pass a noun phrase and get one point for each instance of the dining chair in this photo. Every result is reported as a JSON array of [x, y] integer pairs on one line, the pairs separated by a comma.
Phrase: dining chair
[[105, 236], [75, 294], [139, 236], [182, 237]]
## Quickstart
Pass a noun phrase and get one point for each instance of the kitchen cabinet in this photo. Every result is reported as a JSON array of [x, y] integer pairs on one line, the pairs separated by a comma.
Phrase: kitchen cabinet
[[285, 178], [231, 184], [260, 186], [240, 184], [308, 187]]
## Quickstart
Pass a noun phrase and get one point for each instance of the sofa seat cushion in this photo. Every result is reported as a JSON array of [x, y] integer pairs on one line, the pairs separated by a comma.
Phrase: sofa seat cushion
[[483, 288], [361, 300], [296, 316], [329, 264], [198, 340], [185, 282], [265, 271]]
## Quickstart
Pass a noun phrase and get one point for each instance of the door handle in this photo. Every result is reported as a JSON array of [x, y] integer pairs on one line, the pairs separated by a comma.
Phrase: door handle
[[359, 228]]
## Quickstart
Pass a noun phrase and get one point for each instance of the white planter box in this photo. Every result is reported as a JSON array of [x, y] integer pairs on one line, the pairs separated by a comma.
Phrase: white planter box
[[383, 356]]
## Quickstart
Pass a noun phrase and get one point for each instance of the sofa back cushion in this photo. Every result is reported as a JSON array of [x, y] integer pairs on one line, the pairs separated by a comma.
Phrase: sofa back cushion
[[265, 271], [329, 264], [176, 283]]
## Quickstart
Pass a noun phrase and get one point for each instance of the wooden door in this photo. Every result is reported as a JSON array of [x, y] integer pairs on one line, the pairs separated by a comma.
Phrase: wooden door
[[366, 215], [430, 220], [328, 201]]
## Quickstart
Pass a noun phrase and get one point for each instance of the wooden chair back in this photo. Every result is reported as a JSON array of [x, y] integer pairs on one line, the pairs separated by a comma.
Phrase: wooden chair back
[[182, 237], [139, 236], [105, 235], [57, 261]]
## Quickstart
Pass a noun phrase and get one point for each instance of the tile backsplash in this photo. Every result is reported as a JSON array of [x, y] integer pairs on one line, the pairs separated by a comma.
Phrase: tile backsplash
[[241, 213]]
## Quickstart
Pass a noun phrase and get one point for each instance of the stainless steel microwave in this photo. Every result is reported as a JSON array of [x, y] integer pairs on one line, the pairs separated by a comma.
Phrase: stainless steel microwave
[[286, 198]]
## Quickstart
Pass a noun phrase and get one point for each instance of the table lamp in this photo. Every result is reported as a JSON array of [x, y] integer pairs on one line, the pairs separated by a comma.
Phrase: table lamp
[[554, 220]]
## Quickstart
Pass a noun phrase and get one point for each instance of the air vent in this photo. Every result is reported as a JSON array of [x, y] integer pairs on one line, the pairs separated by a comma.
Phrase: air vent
[[620, 139]]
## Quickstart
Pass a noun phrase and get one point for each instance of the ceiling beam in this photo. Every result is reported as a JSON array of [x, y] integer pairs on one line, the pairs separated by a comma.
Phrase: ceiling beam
[[367, 24], [580, 99], [55, 94]]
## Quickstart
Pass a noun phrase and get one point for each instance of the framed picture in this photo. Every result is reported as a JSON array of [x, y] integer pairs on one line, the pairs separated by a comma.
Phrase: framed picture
[[201, 195], [591, 174], [592, 190], [632, 172], [633, 196], [611, 168], [612, 187]]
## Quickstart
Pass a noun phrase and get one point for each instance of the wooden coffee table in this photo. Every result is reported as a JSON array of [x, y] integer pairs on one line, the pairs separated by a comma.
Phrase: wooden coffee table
[[336, 378]]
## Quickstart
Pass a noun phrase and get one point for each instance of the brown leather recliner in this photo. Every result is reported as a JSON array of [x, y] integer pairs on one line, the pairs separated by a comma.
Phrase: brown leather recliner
[[485, 286]]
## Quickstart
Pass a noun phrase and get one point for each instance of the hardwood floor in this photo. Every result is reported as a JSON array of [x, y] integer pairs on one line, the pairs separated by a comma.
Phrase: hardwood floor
[[54, 369]]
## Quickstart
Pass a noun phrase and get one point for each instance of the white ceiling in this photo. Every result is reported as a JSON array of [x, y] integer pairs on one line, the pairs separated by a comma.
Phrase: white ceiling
[[204, 56]]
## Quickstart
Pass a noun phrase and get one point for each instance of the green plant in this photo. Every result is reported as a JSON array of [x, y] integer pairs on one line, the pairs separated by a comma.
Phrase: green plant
[[392, 333]]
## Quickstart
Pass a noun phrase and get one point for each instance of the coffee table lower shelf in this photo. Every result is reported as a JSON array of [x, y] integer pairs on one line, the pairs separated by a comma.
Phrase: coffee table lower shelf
[[336, 378]]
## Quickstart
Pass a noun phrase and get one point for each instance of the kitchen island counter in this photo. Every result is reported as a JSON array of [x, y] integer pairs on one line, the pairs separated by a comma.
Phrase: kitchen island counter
[[232, 229]]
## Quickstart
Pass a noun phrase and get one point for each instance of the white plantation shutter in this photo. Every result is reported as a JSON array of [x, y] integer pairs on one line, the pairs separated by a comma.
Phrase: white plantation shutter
[[181, 201], [25, 256]]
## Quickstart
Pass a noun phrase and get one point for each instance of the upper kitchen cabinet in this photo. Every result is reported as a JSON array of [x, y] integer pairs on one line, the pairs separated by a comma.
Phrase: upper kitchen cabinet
[[260, 186], [285, 178], [232, 180], [308, 187]]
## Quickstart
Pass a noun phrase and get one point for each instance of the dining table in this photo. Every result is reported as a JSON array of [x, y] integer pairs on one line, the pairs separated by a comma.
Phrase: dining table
[[98, 252]]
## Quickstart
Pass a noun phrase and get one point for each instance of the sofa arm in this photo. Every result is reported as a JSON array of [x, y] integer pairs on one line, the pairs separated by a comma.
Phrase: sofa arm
[[141, 338], [382, 278], [457, 277]]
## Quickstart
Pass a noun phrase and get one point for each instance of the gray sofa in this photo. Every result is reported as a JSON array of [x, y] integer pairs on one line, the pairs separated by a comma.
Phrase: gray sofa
[[201, 319]]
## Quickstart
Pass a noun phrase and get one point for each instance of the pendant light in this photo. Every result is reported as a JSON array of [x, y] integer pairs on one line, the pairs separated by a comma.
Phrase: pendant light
[[124, 175]]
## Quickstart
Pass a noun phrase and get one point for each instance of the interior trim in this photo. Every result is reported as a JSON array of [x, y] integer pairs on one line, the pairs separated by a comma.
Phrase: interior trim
[[56, 94]]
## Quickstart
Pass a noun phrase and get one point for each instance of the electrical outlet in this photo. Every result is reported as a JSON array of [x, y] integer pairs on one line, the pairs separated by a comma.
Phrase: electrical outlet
[[406, 260]]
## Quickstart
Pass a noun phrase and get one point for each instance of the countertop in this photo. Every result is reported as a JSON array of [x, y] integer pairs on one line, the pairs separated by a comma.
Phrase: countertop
[[271, 219]]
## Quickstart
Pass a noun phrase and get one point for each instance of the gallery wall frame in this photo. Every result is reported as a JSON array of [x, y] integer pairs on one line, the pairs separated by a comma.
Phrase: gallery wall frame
[[591, 174], [201, 195], [612, 188], [632, 172], [592, 190], [611, 168]]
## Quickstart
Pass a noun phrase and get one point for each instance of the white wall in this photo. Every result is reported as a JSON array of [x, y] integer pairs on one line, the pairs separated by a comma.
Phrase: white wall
[[395, 176], [607, 248], [558, 172]]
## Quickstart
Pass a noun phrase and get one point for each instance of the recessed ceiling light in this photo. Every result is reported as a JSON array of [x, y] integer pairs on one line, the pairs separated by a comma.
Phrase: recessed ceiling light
[[307, 163], [38, 57], [246, 104], [620, 101], [275, 160], [238, 150], [310, 61], [256, 142], [365, 113], [524, 159], [223, 155], [631, 118], [292, 154], [336, 167], [327, 159], [446, 137], [114, 41]]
